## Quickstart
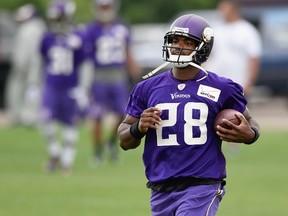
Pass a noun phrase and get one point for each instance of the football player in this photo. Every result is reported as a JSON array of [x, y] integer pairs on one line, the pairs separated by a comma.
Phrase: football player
[[175, 112], [112, 59], [24, 83], [62, 49]]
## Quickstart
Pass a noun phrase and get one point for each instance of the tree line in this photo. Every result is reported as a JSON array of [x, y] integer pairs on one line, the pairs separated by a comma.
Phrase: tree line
[[132, 11]]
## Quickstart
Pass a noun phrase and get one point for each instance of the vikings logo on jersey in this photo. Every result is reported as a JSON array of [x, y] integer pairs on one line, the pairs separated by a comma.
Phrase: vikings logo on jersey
[[188, 113]]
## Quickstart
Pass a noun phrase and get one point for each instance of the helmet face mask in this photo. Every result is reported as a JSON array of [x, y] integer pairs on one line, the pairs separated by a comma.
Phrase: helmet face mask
[[194, 28]]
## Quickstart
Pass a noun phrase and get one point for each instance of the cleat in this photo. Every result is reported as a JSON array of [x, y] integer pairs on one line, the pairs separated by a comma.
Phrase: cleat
[[51, 165]]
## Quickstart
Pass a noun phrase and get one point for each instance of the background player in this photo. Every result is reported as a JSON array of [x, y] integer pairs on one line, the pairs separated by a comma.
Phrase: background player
[[237, 51], [62, 49], [175, 111], [24, 83], [238, 48], [112, 59]]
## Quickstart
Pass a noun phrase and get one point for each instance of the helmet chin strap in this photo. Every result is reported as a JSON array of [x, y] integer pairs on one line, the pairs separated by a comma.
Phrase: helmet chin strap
[[180, 66], [167, 63], [155, 70], [194, 64], [201, 68]]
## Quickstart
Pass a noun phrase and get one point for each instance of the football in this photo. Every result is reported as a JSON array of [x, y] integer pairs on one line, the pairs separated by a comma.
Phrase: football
[[229, 114]]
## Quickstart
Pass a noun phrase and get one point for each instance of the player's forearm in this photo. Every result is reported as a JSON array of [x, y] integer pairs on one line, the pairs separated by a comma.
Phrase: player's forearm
[[86, 75], [132, 65], [127, 141], [254, 126], [253, 68]]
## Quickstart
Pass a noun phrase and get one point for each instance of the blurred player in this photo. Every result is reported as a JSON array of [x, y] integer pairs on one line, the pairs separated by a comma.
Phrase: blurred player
[[237, 51], [175, 112], [23, 89], [112, 59], [63, 53], [238, 48]]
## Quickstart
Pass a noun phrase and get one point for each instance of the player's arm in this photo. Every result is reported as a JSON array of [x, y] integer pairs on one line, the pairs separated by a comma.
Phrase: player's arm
[[247, 132], [132, 65], [132, 129], [253, 72]]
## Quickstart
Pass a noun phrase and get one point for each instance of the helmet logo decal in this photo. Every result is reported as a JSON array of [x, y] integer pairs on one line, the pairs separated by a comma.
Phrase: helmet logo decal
[[179, 29], [207, 34]]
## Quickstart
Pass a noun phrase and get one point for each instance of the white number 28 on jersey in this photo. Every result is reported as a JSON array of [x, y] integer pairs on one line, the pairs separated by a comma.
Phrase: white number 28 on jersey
[[190, 122]]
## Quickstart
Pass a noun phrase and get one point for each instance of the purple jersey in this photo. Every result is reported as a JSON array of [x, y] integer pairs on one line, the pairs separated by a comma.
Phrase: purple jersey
[[108, 44], [185, 144], [62, 56]]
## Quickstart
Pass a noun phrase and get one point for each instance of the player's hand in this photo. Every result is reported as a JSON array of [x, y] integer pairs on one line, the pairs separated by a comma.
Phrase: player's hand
[[81, 97], [150, 118], [238, 133]]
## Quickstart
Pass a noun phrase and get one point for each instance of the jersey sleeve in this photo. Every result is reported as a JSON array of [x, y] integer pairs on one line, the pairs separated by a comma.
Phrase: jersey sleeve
[[42, 45], [88, 45], [236, 99], [136, 103]]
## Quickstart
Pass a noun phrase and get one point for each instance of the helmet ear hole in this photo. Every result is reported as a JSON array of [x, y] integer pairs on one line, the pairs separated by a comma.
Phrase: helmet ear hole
[[203, 53]]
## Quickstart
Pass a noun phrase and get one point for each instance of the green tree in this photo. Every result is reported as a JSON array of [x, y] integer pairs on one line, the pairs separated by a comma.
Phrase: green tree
[[160, 10], [132, 11]]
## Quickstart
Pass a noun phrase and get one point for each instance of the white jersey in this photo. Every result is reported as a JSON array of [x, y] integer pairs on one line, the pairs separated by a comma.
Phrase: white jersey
[[234, 44]]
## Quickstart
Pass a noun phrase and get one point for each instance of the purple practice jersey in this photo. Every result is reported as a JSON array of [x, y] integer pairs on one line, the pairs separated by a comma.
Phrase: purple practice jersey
[[185, 144], [62, 55], [108, 44]]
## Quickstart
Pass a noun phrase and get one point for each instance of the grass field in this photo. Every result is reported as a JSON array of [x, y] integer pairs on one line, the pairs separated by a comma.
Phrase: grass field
[[256, 183]]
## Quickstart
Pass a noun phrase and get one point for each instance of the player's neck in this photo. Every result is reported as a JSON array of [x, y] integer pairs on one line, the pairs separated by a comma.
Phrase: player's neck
[[184, 74]]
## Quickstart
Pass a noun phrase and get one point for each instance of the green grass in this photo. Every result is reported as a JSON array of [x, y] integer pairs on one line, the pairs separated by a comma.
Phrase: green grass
[[256, 183]]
